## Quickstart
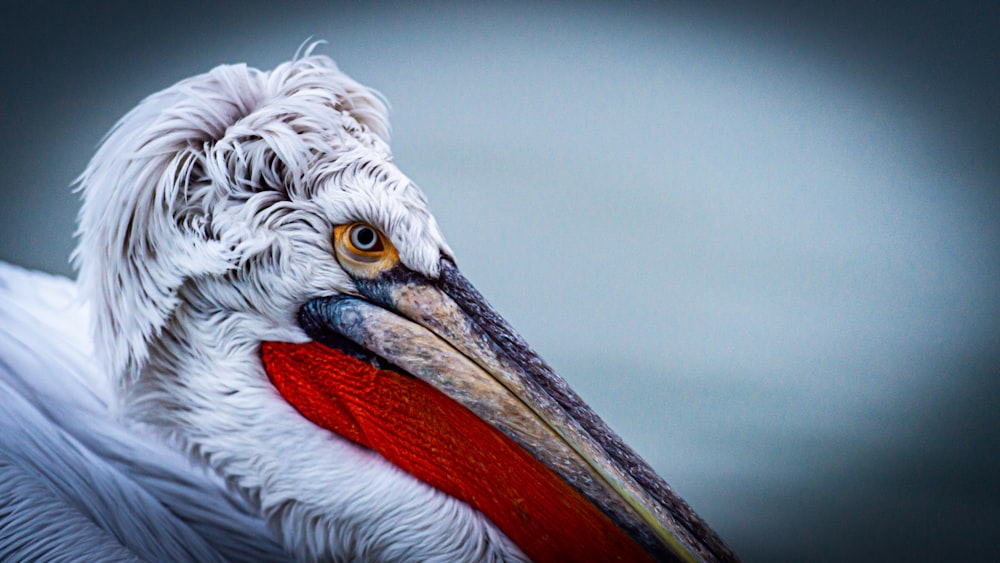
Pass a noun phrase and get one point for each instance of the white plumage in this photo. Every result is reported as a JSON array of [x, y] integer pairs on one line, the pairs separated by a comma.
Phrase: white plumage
[[75, 484], [206, 222]]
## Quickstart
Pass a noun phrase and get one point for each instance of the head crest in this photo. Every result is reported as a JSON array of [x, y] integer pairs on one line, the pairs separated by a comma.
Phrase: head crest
[[150, 192]]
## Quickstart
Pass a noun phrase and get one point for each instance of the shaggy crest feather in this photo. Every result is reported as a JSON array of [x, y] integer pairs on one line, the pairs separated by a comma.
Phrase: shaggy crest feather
[[184, 155], [207, 221]]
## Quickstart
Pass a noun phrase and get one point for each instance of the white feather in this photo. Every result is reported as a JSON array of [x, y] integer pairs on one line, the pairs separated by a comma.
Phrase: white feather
[[74, 483], [207, 221]]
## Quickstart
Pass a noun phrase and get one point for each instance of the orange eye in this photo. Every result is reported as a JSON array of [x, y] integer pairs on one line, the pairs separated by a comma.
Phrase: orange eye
[[362, 250]]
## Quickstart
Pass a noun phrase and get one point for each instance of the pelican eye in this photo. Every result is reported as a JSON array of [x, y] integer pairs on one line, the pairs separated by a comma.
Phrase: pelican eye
[[364, 238], [363, 250]]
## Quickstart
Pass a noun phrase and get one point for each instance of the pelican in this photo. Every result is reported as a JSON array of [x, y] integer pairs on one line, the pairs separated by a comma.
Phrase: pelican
[[270, 354]]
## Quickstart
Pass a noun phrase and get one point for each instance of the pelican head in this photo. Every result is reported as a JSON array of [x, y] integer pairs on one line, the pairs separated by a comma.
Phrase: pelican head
[[273, 296]]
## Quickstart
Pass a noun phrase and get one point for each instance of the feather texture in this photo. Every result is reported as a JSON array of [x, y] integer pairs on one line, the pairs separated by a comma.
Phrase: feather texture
[[206, 223], [74, 482]]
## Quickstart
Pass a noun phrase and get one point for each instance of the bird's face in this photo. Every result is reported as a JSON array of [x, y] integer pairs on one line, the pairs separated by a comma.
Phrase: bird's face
[[275, 295]]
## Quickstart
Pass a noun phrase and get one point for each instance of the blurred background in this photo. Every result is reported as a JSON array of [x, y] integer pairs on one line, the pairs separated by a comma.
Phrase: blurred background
[[761, 241]]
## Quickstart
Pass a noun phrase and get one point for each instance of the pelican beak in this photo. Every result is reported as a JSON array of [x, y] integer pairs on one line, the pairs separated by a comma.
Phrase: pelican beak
[[443, 332]]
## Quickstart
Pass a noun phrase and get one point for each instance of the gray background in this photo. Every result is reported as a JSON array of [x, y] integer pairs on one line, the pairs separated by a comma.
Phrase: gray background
[[761, 241]]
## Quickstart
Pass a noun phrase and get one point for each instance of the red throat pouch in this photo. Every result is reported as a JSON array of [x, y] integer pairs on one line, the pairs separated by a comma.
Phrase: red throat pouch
[[445, 445]]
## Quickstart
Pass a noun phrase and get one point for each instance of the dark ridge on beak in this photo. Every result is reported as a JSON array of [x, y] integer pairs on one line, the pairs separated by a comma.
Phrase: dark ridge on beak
[[510, 343]]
